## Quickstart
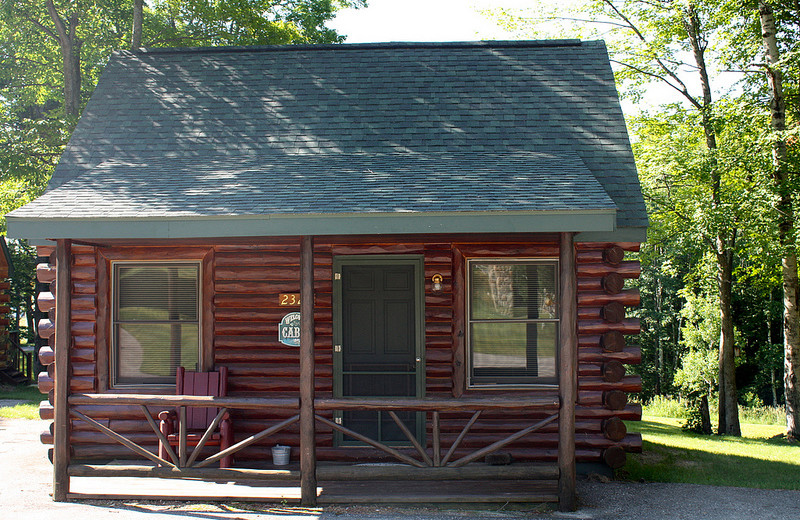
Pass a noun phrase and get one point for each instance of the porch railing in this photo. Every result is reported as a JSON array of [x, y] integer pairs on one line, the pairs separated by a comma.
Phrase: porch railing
[[440, 465], [19, 359]]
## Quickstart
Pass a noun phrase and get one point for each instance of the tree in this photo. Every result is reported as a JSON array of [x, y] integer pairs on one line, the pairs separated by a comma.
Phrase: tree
[[784, 185], [656, 38]]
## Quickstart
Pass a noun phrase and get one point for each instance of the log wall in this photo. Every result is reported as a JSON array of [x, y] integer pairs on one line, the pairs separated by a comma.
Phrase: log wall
[[604, 350], [242, 283]]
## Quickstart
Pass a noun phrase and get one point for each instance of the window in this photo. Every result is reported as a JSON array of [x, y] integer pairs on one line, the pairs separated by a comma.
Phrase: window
[[513, 322], [156, 325]]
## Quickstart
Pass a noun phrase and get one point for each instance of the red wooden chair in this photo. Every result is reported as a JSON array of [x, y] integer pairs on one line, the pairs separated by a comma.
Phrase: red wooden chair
[[198, 419]]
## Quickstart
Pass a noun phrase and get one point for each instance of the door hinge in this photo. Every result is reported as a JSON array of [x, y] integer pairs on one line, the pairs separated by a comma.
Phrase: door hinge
[[337, 348], [337, 420]]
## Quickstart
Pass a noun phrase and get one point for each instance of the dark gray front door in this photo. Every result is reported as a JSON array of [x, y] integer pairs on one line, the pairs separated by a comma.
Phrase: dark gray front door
[[379, 338]]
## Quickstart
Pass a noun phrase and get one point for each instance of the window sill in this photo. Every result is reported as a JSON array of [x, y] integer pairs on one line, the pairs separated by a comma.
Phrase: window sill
[[513, 386]]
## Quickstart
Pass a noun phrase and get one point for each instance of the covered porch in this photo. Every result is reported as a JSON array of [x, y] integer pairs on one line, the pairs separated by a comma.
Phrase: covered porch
[[459, 478]]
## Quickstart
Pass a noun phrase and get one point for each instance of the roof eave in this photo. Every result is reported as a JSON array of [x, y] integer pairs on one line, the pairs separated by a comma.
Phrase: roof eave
[[595, 220]]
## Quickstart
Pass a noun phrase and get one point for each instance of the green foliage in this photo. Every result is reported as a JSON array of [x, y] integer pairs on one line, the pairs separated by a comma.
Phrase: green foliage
[[23, 286], [239, 22], [694, 418], [679, 409], [662, 406], [696, 193], [698, 375]]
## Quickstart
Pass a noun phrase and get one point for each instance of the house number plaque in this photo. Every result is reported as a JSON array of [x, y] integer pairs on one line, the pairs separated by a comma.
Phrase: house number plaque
[[289, 299], [289, 330]]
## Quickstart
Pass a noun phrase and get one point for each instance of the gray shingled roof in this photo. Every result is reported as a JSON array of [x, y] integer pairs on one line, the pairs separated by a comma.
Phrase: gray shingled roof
[[427, 129]]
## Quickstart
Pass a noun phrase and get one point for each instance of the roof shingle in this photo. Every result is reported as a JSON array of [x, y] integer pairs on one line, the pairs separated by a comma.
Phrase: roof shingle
[[497, 126]]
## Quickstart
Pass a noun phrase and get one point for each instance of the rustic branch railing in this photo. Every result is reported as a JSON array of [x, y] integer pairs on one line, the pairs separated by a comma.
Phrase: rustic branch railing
[[437, 407], [427, 467], [183, 458]]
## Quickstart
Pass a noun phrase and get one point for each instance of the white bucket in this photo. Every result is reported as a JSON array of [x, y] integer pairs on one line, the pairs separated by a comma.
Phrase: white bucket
[[281, 454]]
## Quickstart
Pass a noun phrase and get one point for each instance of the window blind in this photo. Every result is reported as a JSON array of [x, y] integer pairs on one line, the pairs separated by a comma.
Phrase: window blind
[[156, 321], [513, 322]]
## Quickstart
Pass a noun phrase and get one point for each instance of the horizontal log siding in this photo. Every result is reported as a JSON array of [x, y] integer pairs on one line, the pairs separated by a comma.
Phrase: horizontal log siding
[[592, 412], [247, 280]]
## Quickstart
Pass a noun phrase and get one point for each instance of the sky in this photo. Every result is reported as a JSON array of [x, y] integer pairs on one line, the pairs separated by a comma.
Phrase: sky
[[422, 20]]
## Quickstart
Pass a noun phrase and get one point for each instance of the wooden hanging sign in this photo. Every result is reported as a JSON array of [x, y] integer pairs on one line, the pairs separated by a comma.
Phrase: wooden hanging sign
[[289, 330]]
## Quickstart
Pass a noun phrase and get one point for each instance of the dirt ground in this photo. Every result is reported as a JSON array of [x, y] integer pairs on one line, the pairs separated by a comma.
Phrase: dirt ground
[[26, 484]]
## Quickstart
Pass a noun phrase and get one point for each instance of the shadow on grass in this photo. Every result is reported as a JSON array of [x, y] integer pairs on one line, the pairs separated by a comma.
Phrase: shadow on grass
[[717, 460]]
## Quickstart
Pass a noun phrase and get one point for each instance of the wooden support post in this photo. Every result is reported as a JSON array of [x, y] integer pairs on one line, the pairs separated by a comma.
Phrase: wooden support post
[[61, 417], [437, 448], [182, 436], [308, 452], [568, 373]]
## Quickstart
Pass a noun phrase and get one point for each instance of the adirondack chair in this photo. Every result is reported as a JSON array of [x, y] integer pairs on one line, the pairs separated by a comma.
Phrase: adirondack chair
[[198, 419]]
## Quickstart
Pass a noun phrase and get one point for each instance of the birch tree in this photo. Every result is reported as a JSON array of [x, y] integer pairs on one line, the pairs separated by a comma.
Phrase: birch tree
[[783, 179]]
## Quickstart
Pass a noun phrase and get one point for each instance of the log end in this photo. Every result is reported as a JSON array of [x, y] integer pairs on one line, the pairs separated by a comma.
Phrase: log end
[[613, 255], [613, 371], [615, 399], [612, 341], [614, 429], [613, 312], [615, 457], [612, 283]]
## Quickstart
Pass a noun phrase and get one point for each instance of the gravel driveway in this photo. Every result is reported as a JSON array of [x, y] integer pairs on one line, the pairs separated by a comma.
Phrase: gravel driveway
[[26, 481]]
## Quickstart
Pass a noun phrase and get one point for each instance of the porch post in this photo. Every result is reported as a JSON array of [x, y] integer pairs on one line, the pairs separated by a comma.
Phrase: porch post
[[308, 453], [61, 390], [568, 373]]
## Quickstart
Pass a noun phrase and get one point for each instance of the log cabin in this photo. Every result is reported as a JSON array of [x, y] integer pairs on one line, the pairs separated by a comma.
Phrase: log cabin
[[405, 252], [14, 361]]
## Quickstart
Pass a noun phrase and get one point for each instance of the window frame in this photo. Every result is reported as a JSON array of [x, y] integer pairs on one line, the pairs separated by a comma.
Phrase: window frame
[[113, 322], [502, 382]]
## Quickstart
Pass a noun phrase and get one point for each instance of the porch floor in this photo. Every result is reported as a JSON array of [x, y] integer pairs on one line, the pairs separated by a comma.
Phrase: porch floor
[[401, 492], [328, 492]]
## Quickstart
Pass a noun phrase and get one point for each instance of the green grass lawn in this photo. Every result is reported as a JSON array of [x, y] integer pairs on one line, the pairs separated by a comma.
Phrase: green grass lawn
[[761, 458], [27, 410]]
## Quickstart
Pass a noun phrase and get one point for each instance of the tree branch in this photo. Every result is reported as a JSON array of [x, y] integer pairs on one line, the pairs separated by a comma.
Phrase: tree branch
[[42, 28], [59, 23], [683, 90]]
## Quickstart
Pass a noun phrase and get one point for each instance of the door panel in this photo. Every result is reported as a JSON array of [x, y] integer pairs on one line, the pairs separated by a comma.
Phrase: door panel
[[361, 333]]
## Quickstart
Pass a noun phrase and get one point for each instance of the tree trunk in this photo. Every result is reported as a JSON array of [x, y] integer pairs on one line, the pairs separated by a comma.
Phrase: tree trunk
[[781, 177], [723, 242], [659, 346], [71, 56], [705, 416], [138, 16], [728, 402]]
